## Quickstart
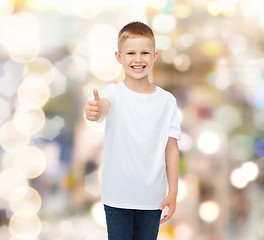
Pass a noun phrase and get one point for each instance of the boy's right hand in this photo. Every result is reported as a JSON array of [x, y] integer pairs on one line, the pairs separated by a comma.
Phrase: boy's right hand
[[93, 108]]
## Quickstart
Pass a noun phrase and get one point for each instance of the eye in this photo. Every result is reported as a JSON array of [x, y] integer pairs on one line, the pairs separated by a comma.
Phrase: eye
[[144, 53], [130, 53]]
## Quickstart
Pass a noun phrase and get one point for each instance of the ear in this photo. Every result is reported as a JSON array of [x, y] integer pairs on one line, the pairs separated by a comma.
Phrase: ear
[[155, 56], [118, 57]]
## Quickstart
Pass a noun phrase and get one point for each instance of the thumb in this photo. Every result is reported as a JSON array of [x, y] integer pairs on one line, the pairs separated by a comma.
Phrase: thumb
[[96, 95]]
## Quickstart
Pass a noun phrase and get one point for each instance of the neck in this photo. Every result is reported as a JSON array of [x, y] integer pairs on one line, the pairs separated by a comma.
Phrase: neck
[[139, 85]]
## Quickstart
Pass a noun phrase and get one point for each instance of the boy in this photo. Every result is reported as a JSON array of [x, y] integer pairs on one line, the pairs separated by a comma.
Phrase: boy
[[141, 153]]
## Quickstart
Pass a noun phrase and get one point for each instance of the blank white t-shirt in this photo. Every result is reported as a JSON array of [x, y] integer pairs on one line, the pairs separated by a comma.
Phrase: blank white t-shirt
[[137, 130]]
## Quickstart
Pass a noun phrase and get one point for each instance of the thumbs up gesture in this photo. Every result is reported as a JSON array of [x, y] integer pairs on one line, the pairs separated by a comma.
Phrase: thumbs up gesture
[[93, 108]]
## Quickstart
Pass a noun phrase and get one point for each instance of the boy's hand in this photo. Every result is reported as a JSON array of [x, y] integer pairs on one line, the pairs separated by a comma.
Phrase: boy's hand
[[170, 201], [93, 108]]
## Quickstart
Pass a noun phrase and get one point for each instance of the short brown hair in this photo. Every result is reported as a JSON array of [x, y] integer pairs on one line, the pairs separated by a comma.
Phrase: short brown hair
[[134, 30]]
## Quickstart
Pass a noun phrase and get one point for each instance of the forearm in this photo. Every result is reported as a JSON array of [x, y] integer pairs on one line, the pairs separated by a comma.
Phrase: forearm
[[172, 159]]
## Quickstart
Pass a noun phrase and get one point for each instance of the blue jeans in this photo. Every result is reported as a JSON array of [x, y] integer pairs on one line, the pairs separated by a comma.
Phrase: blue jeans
[[132, 224]]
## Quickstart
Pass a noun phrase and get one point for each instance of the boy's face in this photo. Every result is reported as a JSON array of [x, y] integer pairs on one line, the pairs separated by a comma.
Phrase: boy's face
[[137, 55]]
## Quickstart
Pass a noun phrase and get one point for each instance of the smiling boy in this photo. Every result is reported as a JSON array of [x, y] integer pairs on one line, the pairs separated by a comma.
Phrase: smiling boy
[[141, 155]]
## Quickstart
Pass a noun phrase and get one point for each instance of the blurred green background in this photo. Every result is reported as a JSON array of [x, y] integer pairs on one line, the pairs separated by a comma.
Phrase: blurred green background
[[53, 53]]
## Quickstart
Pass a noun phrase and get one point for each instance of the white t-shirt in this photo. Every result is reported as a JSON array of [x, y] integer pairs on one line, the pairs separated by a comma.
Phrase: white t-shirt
[[137, 130]]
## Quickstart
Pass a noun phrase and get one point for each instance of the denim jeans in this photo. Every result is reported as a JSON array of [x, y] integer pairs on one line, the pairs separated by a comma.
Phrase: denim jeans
[[132, 224]]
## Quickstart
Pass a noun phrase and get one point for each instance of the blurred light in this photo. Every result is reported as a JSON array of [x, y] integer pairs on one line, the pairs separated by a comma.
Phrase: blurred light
[[182, 190], [81, 48], [52, 152], [22, 26], [261, 21], [10, 181], [88, 89], [228, 116], [252, 75], [258, 96], [241, 147], [58, 86], [11, 139], [209, 211], [27, 205], [208, 142], [102, 37], [68, 231], [6, 7], [237, 44], [180, 114], [250, 170], [31, 21], [52, 128], [78, 8], [104, 66], [168, 55], [183, 231], [40, 67], [7, 160], [33, 92], [26, 51], [96, 126], [186, 40], [186, 142], [162, 42], [223, 76], [30, 226], [5, 110], [226, 7], [238, 178], [252, 9], [127, 3], [261, 229], [31, 162], [212, 48], [11, 71], [23, 237], [41, 5], [29, 121], [259, 148], [163, 23], [183, 11], [154, 3], [182, 62], [73, 67], [98, 214]]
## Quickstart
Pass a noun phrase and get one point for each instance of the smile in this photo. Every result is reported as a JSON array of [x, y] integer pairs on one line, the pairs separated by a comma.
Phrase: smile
[[138, 67]]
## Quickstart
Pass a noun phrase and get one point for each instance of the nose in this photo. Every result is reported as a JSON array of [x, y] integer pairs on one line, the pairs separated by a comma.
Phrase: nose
[[138, 58]]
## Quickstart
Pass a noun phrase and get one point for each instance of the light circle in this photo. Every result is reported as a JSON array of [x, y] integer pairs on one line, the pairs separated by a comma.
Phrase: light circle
[[29, 121], [11, 139], [31, 162], [208, 142], [33, 92], [209, 211], [25, 226], [10, 181], [28, 204]]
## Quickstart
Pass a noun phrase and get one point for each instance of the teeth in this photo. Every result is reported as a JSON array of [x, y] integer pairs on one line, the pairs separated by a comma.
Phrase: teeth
[[138, 67]]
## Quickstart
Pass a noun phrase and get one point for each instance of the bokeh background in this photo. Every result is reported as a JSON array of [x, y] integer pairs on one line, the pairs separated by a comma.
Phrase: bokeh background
[[53, 53]]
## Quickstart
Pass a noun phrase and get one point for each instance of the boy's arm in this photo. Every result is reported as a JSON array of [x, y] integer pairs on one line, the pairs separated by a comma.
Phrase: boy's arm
[[97, 108], [172, 159]]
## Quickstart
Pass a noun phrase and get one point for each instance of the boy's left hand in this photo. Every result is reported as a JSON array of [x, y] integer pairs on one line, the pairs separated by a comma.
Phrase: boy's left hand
[[170, 201]]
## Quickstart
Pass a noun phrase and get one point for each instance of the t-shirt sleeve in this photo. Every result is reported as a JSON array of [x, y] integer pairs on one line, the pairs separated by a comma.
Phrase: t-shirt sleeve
[[107, 92], [175, 129]]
